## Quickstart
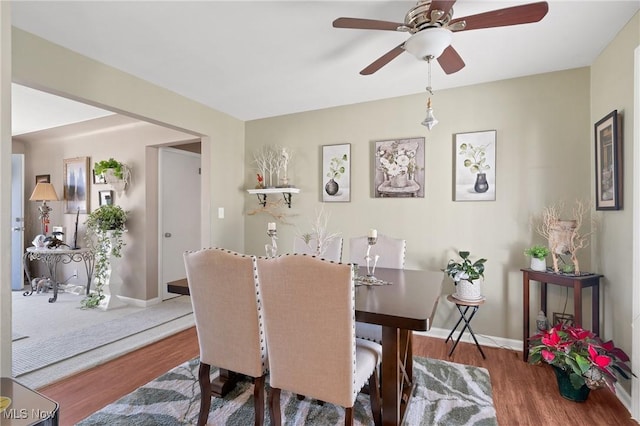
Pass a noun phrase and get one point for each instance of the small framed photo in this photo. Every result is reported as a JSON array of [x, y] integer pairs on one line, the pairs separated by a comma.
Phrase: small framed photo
[[474, 157], [99, 178], [76, 185], [43, 179], [105, 198], [608, 163], [336, 173]]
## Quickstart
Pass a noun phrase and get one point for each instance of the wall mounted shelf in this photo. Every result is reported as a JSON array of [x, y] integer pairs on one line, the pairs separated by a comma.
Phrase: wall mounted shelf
[[263, 192]]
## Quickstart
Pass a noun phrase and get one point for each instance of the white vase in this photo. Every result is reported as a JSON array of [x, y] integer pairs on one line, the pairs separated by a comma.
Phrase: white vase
[[469, 290], [538, 264]]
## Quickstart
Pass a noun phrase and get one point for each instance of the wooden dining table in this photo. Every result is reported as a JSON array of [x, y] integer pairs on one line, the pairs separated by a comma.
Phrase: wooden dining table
[[407, 303]]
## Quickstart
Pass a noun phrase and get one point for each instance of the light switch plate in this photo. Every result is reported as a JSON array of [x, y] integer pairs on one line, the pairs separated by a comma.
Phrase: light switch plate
[[220, 212]]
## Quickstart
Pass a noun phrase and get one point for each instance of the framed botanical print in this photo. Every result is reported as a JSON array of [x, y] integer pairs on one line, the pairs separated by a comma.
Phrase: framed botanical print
[[474, 156], [398, 168], [608, 163], [76, 185], [336, 173]]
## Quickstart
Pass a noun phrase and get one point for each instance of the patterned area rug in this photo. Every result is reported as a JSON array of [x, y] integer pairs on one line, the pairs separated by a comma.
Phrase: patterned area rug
[[447, 394]]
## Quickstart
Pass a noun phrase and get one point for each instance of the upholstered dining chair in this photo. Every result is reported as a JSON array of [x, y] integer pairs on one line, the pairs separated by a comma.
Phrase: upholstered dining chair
[[392, 253], [333, 250], [307, 296], [227, 308]]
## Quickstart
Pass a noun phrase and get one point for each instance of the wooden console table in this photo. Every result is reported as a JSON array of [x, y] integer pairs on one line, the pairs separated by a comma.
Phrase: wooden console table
[[576, 282]]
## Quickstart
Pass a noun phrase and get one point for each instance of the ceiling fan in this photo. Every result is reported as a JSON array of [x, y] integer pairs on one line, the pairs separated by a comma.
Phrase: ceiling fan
[[432, 25]]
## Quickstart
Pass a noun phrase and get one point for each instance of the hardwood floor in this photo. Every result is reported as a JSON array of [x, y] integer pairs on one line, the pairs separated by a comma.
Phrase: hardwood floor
[[523, 394]]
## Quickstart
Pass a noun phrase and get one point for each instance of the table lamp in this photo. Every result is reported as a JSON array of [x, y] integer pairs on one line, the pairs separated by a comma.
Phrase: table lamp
[[44, 192]]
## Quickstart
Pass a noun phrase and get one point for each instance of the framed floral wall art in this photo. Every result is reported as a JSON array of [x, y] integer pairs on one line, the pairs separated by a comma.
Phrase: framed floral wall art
[[399, 168], [336, 173], [608, 163], [475, 166]]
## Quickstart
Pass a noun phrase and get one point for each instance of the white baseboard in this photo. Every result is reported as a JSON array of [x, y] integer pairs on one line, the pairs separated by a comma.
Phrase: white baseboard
[[139, 302], [510, 344]]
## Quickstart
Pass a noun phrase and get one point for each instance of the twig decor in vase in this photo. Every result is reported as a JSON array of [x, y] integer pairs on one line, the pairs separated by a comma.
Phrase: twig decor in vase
[[467, 276]]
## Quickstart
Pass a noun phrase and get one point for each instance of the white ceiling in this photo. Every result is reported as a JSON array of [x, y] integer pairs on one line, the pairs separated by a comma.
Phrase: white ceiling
[[257, 59]]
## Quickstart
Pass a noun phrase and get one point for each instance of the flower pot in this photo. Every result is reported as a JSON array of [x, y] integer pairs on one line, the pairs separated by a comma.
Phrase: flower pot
[[538, 264], [331, 187], [481, 183], [567, 390], [469, 290], [399, 181]]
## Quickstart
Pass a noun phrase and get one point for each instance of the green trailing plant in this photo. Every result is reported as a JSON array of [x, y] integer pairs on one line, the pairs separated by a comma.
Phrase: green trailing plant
[[118, 168], [465, 269], [336, 167], [538, 252], [105, 229]]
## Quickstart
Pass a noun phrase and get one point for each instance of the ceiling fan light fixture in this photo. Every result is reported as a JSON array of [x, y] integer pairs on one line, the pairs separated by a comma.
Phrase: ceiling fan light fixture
[[428, 42], [430, 120]]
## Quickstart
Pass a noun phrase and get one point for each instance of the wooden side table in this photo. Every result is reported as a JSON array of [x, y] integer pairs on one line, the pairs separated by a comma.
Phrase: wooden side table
[[576, 282], [466, 317]]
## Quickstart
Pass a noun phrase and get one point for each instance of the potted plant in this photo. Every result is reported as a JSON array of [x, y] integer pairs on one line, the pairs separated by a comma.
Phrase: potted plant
[[538, 255], [336, 169], [115, 173], [581, 360], [105, 229], [467, 276]]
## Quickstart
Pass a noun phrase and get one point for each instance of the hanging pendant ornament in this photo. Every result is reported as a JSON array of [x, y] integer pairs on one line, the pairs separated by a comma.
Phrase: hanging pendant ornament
[[430, 120]]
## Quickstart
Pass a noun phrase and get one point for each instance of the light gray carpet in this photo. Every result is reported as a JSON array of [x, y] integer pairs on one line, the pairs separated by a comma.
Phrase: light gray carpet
[[17, 336], [29, 356], [447, 394]]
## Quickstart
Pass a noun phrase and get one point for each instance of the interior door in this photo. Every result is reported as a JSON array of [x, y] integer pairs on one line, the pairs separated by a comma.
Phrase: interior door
[[17, 220], [179, 213]]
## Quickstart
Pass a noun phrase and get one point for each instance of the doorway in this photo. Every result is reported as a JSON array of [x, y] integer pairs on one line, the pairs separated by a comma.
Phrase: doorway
[[179, 199], [17, 221]]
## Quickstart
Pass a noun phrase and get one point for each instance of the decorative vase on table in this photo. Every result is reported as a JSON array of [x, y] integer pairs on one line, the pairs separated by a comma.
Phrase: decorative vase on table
[[567, 390], [469, 290], [400, 180], [481, 183], [538, 264], [331, 187]]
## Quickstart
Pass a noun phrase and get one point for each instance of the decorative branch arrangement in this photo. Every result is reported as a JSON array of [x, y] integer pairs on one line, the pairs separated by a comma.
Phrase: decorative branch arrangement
[[565, 235], [319, 230], [270, 160]]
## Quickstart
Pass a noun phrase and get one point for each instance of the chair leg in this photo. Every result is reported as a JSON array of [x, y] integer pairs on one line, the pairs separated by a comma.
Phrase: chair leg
[[274, 407], [258, 399], [348, 416], [374, 397], [205, 393]]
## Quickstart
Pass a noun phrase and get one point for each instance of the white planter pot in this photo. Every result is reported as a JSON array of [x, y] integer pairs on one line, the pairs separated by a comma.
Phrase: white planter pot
[[538, 264], [467, 290]]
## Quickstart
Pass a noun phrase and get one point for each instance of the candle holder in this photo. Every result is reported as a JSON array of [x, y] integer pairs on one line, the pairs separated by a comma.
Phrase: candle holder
[[371, 241], [272, 249]]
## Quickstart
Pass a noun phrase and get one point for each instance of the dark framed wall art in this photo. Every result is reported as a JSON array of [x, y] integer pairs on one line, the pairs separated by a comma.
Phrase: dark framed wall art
[[336, 173], [398, 170], [76, 185], [43, 179], [105, 198], [474, 155], [608, 162]]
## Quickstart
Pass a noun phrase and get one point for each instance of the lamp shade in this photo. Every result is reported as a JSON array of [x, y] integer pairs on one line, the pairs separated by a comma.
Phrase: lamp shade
[[44, 192], [429, 42]]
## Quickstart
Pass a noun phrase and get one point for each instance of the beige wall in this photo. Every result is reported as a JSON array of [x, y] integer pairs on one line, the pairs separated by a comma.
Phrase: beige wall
[[612, 88], [543, 156], [124, 139]]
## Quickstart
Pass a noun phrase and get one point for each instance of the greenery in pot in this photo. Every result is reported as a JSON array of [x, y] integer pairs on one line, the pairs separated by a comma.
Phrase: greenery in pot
[[582, 354], [538, 252], [105, 229], [118, 168], [465, 269]]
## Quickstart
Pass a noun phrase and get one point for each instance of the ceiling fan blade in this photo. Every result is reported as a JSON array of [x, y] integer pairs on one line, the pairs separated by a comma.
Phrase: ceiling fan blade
[[450, 60], [366, 24], [515, 15], [443, 5], [383, 60]]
